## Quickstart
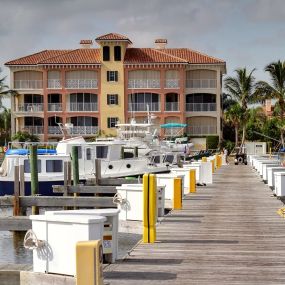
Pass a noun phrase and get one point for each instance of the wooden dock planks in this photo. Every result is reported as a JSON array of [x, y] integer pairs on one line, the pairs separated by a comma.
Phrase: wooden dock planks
[[226, 233]]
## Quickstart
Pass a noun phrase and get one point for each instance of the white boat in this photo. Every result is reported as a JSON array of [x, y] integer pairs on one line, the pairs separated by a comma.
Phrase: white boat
[[50, 164]]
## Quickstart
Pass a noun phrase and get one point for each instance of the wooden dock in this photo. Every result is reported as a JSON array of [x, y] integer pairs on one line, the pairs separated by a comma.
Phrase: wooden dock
[[227, 233]]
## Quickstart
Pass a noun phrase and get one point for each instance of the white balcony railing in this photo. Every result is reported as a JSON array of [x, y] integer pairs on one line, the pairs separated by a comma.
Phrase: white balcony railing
[[202, 130], [201, 83], [82, 107], [171, 83], [143, 83], [30, 107], [81, 83], [84, 130], [54, 107], [35, 130], [54, 84], [142, 107], [171, 106], [201, 107], [28, 84], [54, 130]]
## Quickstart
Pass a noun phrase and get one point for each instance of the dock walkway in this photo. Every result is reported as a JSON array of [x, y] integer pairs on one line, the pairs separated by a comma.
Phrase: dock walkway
[[227, 233]]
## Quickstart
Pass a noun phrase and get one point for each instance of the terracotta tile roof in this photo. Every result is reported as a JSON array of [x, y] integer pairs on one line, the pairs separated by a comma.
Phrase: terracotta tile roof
[[36, 58], [77, 56], [193, 56], [150, 55], [113, 36], [132, 56], [86, 42]]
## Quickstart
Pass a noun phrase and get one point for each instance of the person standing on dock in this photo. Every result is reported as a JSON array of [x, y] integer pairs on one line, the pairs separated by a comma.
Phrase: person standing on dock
[[225, 151]]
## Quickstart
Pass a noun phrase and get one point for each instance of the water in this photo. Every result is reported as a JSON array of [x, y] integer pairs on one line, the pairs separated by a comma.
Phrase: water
[[12, 250]]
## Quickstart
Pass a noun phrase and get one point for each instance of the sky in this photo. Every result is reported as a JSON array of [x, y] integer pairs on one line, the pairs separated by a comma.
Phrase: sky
[[244, 33]]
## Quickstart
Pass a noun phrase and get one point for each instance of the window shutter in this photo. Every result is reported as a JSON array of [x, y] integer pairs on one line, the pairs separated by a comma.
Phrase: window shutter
[[116, 75], [116, 99], [109, 122]]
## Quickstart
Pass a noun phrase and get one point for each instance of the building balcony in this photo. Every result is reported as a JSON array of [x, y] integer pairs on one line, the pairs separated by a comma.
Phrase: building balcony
[[54, 130], [202, 130], [54, 84], [144, 107], [29, 107], [201, 107], [81, 83], [84, 130], [83, 107], [201, 83], [28, 84], [144, 83], [172, 83], [54, 107], [34, 130], [171, 106]]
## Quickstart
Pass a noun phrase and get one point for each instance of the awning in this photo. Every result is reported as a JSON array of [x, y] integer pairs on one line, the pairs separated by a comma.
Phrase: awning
[[173, 125]]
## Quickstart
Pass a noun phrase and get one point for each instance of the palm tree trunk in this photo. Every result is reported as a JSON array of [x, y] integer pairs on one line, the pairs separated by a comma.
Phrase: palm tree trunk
[[236, 135], [243, 134], [282, 107]]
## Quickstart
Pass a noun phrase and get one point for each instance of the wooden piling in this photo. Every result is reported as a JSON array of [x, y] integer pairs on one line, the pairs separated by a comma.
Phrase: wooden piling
[[98, 170], [75, 165], [16, 208], [34, 176]]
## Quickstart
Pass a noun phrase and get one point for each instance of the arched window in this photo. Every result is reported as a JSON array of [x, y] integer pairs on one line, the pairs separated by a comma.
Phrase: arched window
[[117, 53], [106, 53]]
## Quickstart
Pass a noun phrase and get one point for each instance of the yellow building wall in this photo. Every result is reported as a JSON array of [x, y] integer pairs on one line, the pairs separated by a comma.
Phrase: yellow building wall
[[112, 87]]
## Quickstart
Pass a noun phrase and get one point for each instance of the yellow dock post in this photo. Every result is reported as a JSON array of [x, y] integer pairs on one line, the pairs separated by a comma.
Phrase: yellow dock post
[[89, 263], [149, 208], [177, 194], [213, 165], [204, 159], [192, 174], [219, 161]]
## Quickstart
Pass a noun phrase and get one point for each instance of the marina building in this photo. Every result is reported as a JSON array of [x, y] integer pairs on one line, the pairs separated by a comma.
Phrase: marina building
[[91, 89]]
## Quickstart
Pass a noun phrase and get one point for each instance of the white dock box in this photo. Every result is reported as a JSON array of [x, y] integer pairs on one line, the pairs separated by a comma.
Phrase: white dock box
[[279, 184], [270, 174], [111, 225], [265, 167], [132, 197], [60, 234]]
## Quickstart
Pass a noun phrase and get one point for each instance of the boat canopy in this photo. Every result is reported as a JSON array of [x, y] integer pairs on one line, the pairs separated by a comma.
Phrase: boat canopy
[[173, 125]]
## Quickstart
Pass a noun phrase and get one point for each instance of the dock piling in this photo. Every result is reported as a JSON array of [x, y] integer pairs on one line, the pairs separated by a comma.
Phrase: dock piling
[[34, 175]]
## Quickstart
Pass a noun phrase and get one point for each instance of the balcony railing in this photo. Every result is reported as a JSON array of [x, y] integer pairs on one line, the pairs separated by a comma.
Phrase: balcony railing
[[35, 130], [81, 83], [29, 107], [171, 83], [54, 130], [82, 107], [143, 83], [54, 107], [171, 106], [28, 84], [54, 84], [142, 107], [202, 130], [201, 83], [201, 107], [84, 130]]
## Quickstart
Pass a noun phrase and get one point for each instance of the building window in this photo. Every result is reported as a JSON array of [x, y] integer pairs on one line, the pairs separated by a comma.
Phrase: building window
[[117, 53], [112, 99], [112, 122], [112, 76], [106, 53]]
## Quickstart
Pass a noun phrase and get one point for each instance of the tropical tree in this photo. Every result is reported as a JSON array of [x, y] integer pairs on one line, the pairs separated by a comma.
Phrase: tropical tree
[[255, 123], [3, 88], [275, 90], [234, 116], [5, 124], [227, 101], [242, 88], [25, 137]]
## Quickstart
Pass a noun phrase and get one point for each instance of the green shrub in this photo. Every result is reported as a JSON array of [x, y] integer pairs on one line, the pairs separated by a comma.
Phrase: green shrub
[[212, 142]]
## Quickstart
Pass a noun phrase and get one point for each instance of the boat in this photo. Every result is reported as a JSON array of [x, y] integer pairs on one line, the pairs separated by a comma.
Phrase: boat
[[114, 163]]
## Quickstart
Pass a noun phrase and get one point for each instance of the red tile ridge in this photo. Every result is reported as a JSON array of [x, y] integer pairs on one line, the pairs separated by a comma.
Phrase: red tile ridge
[[170, 55]]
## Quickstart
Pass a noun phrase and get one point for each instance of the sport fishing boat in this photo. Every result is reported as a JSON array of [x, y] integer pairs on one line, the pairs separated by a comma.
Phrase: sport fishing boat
[[116, 161]]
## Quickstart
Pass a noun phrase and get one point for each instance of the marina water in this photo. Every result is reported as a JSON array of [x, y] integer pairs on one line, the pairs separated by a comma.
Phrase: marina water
[[12, 250]]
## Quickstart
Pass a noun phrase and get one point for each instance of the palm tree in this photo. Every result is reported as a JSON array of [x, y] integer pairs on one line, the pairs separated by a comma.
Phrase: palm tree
[[234, 116], [5, 123], [242, 88], [3, 87], [275, 90]]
